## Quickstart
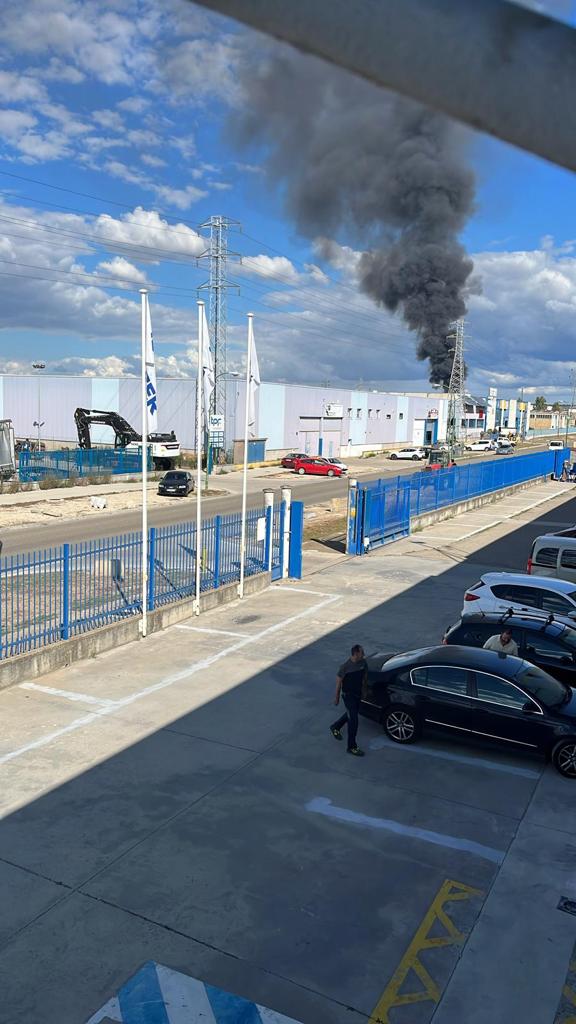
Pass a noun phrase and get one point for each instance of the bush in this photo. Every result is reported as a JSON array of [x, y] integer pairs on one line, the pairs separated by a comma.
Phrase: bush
[[49, 482], [98, 478]]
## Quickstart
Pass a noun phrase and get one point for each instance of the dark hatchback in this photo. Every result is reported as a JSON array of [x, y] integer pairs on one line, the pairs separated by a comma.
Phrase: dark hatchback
[[288, 461], [476, 694], [178, 482], [547, 642]]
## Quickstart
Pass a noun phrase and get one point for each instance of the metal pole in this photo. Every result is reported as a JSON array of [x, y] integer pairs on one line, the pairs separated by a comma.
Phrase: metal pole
[[492, 64], [286, 494], [245, 472], [321, 434], [144, 453], [199, 390]]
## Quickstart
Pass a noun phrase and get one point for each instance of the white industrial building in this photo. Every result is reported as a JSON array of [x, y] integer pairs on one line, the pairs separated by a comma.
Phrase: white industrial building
[[289, 416]]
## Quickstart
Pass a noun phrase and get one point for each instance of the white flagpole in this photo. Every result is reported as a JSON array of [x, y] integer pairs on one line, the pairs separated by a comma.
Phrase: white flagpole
[[144, 452], [245, 473], [199, 392]]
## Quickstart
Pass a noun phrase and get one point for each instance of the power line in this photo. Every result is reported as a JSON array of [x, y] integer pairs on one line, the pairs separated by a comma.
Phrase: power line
[[98, 199]]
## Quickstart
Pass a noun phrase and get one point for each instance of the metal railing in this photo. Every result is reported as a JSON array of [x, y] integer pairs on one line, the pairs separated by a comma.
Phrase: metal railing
[[61, 592], [68, 463], [382, 510]]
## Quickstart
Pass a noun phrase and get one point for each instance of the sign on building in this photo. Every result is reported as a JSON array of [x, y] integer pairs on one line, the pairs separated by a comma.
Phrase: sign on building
[[216, 431], [333, 411]]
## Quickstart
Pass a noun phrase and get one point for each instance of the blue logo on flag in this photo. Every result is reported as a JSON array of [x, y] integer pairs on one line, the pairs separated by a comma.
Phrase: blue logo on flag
[[152, 398]]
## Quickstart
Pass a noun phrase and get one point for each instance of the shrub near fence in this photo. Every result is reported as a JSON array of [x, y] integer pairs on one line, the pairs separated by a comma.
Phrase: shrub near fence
[[61, 592]]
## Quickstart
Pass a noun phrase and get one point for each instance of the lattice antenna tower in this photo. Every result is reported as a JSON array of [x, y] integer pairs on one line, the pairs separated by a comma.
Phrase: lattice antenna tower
[[456, 386], [218, 285]]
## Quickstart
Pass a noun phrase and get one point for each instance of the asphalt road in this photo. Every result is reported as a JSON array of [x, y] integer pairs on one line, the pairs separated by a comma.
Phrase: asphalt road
[[311, 490]]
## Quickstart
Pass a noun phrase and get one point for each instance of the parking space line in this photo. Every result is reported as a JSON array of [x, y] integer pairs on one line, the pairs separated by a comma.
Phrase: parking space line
[[82, 698], [217, 632], [301, 590], [493, 766], [427, 989], [162, 684], [322, 805]]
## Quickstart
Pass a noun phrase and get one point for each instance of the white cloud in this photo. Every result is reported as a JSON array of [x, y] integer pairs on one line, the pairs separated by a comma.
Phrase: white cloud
[[109, 119], [152, 161], [134, 104], [146, 228], [14, 123], [21, 88], [199, 68], [277, 267], [121, 268], [181, 198]]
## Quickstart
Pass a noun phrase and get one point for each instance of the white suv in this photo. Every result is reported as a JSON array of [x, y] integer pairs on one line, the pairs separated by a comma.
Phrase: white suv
[[498, 591], [556, 446], [409, 453], [480, 446]]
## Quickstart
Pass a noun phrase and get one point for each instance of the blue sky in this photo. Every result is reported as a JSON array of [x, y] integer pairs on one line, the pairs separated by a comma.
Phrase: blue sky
[[115, 147]]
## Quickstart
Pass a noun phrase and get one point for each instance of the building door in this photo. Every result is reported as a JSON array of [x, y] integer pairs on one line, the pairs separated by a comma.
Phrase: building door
[[418, 432]]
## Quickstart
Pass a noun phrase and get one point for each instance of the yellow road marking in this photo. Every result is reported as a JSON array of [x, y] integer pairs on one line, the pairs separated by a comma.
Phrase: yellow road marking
[[449, 892]]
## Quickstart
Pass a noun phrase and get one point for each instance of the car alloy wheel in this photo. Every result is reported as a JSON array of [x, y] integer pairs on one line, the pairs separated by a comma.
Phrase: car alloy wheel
[[415, 458], [301, 471], [393, 456], [401, 725], [330, 472], [564, 758]]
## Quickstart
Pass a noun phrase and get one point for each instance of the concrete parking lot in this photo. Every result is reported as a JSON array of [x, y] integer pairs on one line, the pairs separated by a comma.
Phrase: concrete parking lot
[[182, 801]]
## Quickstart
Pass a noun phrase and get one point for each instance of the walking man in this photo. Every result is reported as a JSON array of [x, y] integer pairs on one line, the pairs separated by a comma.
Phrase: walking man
[[349, 683]]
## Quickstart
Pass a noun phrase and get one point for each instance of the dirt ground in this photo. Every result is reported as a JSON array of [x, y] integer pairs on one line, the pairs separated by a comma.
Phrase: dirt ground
[[69, 507]]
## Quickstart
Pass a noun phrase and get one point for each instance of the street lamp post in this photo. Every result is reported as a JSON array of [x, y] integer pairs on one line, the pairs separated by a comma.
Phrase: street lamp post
[[569, 410], [39, 423]]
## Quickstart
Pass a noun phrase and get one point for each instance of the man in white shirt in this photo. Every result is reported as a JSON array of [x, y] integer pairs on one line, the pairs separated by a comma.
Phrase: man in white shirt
[[503, 644]]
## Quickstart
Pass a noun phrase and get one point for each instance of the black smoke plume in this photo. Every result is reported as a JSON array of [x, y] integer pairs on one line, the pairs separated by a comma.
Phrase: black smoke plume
[[371, 169]]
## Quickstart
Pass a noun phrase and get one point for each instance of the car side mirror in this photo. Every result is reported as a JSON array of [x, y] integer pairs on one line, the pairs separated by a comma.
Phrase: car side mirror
[[528, 708]]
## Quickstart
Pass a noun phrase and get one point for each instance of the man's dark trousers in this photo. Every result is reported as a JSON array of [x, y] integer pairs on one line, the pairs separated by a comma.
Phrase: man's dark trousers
[[352, 705]]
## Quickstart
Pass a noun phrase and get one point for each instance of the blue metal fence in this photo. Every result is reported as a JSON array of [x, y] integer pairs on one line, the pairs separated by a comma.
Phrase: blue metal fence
[[61, 592], [78, 462], [381, 510]]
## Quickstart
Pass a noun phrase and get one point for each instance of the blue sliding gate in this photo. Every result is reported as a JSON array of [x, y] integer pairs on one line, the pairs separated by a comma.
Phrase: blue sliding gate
[[380, 511]]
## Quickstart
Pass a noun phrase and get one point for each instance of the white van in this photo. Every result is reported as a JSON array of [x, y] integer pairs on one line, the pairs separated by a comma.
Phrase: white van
[[554, 554]]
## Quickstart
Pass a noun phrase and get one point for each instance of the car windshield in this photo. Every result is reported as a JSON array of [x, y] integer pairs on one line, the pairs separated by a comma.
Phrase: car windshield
[[174, 477], [542, 686]]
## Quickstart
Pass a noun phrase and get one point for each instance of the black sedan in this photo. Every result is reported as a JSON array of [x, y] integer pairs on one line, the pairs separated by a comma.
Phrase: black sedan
[[474, 693], [178, 482]]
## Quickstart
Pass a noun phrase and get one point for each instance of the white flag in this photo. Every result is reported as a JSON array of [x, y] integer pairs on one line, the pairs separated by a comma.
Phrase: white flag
[[151, 392], [207, 372], [254, 383]]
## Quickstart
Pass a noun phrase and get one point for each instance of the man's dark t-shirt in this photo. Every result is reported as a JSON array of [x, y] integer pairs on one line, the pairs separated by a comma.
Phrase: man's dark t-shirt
[[352, 674]]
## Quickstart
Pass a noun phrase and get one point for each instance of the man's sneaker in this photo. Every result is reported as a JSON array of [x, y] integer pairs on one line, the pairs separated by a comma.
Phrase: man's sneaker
[[356, 751], [336, 733]]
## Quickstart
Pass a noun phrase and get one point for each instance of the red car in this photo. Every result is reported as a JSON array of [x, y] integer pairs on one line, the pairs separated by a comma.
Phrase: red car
[[289, 460], [316, 467]]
